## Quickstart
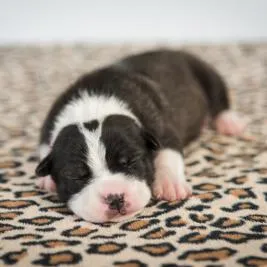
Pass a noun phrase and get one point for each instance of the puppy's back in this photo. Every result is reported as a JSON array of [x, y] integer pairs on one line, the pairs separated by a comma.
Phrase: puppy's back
[[190, 86]]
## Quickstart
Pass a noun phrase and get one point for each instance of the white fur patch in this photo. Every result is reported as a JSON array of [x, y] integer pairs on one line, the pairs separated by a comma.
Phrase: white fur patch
[[170, 182], [44, 150], [96, 156], [88, 107], [173, 160]]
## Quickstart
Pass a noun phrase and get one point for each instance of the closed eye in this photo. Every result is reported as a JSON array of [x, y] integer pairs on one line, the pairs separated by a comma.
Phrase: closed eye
[[77, 174], [129, 161], [83, 175], [124, 161]]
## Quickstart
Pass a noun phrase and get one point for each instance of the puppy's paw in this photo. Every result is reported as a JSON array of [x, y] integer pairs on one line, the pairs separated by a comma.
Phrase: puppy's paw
[[170, 183], [167, 187], [46, 183], [183, 190], [230, 123]]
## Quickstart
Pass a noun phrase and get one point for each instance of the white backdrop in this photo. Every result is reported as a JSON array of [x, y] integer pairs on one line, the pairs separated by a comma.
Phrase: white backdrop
[[132, 21]]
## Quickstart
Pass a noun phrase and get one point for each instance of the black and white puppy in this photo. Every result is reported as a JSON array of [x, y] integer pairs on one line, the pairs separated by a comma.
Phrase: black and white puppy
[[115, 137]]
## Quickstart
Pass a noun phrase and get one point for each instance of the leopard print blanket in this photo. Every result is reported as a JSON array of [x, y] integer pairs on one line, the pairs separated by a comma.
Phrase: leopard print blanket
[[224, 223]]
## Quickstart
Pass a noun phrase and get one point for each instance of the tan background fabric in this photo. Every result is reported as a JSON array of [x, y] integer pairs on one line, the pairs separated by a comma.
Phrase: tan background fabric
[[223, 224]]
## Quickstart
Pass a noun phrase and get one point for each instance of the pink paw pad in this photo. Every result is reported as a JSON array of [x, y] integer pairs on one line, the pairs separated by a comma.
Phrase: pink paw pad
[[46, 183], [229, 123], [169, 190]]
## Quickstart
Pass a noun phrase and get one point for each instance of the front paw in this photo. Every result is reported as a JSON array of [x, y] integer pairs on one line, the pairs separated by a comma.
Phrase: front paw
[[170, 188], [46, 183]]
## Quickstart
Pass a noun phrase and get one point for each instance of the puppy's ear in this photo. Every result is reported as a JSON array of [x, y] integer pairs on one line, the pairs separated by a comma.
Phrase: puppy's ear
[[44, 167], [152, 142]]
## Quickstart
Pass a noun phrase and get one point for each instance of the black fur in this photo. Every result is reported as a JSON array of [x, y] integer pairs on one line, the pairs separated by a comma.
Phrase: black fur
[[169, 91], [128, 148], [67, 163], [91, 125]]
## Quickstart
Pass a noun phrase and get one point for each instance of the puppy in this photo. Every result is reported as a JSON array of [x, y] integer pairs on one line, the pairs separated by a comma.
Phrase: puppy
[[115, 137]]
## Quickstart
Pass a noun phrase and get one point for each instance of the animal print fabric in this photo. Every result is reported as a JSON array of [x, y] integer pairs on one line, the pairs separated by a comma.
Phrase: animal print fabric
[[224, 223]]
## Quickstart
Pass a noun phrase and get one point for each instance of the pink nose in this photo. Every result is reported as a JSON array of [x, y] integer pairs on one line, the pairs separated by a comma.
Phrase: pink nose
[[116, 203]]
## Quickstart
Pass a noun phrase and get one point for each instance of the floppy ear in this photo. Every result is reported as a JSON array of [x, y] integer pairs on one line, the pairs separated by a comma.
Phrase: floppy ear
[[151, 141], [44, 167]]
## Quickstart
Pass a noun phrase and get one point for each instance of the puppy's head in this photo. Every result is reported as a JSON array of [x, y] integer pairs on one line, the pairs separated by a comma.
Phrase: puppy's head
[[104, 171]]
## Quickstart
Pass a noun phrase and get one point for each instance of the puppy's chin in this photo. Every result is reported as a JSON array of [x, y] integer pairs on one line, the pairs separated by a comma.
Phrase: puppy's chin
[[91, 202]]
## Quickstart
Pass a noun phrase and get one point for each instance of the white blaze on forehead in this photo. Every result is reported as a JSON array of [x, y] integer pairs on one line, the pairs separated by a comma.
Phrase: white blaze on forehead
[[89, 107], [96, 155]]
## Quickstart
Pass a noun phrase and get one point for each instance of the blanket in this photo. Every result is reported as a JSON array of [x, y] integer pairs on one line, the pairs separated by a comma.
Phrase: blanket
[[224, 223]]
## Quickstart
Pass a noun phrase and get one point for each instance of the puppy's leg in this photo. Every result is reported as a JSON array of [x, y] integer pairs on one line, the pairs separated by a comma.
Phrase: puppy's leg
[[214, 87], [170, 182], [46, 182]]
